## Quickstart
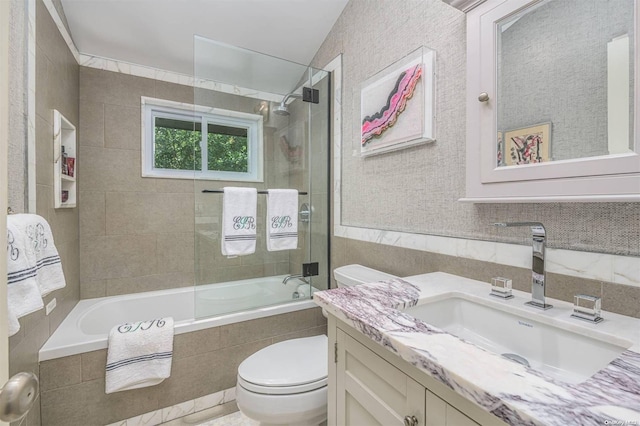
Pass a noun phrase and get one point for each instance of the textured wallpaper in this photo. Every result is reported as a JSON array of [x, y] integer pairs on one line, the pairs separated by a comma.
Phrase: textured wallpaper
[[416, 190]]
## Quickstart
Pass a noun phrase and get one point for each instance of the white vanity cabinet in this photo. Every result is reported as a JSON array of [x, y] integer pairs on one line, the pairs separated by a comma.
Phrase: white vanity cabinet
[[369, 385], [373, 392], [531, 77]]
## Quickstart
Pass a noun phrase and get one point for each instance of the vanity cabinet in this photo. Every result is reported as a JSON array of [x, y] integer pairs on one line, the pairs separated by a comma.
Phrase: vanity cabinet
[[369, 385], [552, 106], [373, 392]]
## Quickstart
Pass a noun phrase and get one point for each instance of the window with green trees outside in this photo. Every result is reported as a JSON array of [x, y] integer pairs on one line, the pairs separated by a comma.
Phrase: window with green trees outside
[[225, 145]]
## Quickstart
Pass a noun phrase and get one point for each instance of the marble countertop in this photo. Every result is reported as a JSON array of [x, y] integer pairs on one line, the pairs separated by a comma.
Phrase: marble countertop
[[517, 394]]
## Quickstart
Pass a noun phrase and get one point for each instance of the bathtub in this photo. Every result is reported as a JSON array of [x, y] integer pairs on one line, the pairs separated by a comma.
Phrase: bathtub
[[87, 326]]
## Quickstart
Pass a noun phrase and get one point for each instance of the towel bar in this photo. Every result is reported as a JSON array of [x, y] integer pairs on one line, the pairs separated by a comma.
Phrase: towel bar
[[220, 191]]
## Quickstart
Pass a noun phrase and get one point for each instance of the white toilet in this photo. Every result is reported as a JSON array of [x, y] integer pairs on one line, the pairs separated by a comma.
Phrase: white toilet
[[286, 383]]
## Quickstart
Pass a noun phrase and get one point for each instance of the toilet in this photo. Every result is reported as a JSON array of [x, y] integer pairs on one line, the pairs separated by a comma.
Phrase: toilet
[[286, 383]]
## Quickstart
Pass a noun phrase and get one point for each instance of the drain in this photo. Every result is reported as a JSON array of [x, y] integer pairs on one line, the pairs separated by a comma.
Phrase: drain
[[516, 358]]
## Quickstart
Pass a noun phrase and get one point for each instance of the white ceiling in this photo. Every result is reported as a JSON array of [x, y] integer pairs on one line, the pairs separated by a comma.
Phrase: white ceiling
[[160, 33]]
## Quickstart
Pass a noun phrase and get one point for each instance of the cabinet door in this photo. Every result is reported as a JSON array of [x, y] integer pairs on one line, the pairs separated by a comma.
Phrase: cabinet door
[[439, 413], [370, 391]]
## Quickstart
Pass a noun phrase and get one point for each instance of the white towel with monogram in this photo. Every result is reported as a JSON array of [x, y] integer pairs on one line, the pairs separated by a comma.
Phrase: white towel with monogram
[[282, 219], [23, 293], [139, 354], [239, 206], [41, 247], [34, 268]]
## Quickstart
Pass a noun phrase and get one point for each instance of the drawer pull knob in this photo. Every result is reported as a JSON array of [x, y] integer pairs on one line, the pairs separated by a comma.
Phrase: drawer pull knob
[[410, 421], [484, 97]]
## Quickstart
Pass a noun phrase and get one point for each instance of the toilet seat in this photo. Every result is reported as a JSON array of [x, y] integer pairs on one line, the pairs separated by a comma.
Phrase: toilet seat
[[286, 368], [281, 390]]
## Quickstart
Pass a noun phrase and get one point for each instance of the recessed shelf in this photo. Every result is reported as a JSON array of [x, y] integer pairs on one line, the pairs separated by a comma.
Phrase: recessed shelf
[[64, 162]]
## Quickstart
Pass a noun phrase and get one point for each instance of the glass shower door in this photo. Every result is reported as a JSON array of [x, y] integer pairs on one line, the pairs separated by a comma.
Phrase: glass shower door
[[282, 151]]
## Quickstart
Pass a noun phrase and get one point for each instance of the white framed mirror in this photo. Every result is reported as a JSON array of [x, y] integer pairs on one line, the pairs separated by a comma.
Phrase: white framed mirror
[[552, 94]]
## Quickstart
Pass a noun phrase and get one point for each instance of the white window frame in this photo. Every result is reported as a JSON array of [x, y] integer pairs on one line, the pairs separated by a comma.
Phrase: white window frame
[[152, 108]]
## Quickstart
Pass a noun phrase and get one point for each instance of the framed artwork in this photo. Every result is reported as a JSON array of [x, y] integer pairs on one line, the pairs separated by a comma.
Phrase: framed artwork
[[529, 145], [396, 105]]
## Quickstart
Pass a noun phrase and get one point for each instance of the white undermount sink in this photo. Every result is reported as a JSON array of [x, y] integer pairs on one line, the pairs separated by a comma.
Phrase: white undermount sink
[[559, 353]]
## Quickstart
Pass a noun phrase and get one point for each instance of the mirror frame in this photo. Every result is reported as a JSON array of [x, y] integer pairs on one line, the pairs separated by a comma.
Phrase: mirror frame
[[603, 178]]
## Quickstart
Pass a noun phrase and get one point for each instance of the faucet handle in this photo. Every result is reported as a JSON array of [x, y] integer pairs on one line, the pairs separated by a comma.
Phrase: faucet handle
[[501, 287], [588, 308]]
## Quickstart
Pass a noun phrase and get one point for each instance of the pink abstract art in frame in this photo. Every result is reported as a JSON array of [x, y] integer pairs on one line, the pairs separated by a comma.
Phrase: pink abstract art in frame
[[397, 105]]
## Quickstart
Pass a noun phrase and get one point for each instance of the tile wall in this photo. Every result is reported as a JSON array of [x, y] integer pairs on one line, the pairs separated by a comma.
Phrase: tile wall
[[138, 234]]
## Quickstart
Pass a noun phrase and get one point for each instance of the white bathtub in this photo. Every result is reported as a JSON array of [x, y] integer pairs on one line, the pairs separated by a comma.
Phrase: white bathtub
[[87, 326]]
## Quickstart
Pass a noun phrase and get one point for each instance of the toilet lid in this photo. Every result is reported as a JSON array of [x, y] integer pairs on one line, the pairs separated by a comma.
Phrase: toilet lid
[[290, 363]]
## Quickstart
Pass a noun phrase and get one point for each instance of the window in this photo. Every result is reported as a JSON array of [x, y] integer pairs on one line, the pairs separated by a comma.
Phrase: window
[[187, 141]]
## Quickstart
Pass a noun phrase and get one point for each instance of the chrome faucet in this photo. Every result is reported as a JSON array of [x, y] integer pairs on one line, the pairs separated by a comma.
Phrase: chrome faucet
[[297, 293], [537, 265], [298, 276]]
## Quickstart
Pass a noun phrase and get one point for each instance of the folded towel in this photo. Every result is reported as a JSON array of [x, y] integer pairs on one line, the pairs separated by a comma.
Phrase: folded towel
[[139, 354], [239, 221], [23, 293], [40, 245], [282, 219]]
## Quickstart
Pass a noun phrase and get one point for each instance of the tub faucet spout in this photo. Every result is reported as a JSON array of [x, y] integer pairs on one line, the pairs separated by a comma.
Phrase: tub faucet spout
[[294, 276], [537, 266]]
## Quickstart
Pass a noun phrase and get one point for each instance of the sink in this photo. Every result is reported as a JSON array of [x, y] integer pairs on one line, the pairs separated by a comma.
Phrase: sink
[[557, 352]]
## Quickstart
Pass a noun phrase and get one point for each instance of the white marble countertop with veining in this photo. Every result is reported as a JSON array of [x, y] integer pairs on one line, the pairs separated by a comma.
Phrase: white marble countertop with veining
[[517, 394]]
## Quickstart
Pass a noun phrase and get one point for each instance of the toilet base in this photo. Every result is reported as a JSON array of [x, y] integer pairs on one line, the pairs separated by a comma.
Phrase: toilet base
[[302, 409]]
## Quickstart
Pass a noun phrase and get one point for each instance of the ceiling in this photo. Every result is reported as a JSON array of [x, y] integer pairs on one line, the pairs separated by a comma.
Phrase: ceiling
[[160, 33]]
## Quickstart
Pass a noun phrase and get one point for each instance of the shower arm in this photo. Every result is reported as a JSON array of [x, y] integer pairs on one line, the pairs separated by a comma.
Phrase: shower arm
[[290, 95]]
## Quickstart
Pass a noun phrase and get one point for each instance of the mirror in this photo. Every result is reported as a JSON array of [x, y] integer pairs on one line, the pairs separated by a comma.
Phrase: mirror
[[565, 81]]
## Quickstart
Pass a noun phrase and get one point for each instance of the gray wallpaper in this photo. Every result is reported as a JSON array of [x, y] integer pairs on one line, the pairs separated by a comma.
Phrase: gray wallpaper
[[553, 68], [416, 190]]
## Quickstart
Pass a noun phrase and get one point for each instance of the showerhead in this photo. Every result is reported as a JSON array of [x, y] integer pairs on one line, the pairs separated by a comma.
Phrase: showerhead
[[282, 109]]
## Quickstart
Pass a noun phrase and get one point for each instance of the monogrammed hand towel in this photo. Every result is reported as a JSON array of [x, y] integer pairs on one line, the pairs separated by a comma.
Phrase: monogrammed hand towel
[[282, 219], [239, 221], [139, 354], [23, 293]]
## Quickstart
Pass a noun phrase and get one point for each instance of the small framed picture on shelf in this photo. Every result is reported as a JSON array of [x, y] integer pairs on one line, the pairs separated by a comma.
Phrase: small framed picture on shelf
[[64, 196]]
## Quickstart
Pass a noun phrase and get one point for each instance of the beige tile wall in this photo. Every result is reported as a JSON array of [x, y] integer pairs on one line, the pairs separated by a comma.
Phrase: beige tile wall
[[204, 362], [57, 79], [138, 234]]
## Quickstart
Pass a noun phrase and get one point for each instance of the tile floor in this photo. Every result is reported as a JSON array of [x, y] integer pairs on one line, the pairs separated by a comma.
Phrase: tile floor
[[233, 419]]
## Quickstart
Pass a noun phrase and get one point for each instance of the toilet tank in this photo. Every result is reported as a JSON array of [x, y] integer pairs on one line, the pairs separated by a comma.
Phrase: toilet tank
[[349, 275]]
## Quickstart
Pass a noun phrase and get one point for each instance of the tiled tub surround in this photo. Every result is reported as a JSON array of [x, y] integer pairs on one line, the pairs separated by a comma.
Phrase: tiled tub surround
[[204, 362], [516, 394]]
